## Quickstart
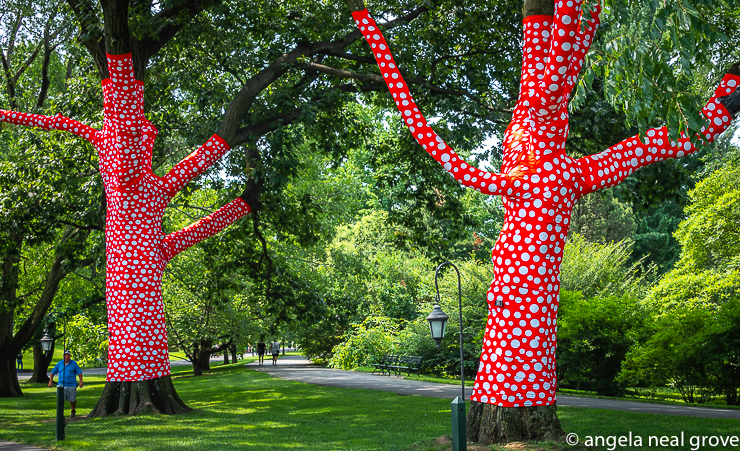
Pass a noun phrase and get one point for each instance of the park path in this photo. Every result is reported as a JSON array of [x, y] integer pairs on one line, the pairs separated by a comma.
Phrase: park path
[[296, 368]]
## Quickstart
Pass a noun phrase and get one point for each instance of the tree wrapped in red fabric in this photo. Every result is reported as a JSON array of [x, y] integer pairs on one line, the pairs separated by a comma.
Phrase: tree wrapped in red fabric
[[137, 250], [539, 184]]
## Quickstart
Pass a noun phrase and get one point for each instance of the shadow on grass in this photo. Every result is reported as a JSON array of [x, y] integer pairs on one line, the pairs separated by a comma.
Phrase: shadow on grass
[[242, 409]]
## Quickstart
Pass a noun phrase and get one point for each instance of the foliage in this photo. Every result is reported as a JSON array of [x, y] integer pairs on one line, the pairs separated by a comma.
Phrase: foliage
[[594, 269], [693, 350], [601, 218], [710, 236], [644, 45], [366, 344], [594, 335], [87, 340]]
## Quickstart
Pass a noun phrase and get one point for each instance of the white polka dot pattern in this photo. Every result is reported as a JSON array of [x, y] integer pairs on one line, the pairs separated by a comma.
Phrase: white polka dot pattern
[[540, 185], [57, 122], [612, 166], [470, 176], [136, 248]]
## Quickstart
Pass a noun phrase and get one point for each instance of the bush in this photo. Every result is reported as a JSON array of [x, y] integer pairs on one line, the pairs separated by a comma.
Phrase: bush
[[594, 336], [595, 269], [695, 349], [365, 344]]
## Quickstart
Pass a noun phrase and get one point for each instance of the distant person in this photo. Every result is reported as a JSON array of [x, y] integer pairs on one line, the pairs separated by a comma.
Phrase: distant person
[[261, 348], [19, 362], [69, 370], [275, 351]]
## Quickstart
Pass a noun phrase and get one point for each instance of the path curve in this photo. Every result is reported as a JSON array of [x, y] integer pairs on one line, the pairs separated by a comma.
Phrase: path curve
[[296, 368]]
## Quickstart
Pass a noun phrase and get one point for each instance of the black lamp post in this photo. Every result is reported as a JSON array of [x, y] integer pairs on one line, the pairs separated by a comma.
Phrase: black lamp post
[[46, 343], [437, 325]]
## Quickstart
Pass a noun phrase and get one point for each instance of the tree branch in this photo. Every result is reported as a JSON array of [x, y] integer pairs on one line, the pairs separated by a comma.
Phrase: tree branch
[[91, 34], [237, 109]]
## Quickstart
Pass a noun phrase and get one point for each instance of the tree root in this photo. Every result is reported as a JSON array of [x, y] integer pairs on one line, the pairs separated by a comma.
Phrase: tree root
[[157, 396], [489, 424]]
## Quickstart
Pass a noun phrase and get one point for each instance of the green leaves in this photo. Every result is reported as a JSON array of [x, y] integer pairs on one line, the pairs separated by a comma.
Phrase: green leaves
[[649, 54]]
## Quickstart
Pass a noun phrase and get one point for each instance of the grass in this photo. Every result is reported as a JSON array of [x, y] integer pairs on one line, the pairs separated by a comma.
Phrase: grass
[[243, 409]]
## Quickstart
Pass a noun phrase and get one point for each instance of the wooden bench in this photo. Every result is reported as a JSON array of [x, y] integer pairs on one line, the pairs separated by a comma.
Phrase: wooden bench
[[407, 364], [385, 364], [398, 364]]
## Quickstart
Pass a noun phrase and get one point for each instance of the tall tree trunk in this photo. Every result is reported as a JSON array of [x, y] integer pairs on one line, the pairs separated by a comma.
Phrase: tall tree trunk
[[233, 354], [226, 356], [41, 361], [202, 356], [490, 424], [157, 396], [9, 386]]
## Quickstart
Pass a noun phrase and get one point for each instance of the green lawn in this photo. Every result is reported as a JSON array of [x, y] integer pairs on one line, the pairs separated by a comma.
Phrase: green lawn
[[244, 409]]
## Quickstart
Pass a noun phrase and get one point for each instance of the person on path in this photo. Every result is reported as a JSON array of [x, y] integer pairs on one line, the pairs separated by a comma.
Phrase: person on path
[[19, 362], [68, 370], [275, 351], [261, 348]]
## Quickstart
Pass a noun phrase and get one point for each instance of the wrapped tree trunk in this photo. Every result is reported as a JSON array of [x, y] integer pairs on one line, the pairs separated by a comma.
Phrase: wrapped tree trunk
[[156, 396], [514, 392], [136, 248]]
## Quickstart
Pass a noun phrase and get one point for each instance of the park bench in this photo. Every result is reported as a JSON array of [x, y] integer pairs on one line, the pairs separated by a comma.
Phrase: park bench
[[398, 364], [385, 364]]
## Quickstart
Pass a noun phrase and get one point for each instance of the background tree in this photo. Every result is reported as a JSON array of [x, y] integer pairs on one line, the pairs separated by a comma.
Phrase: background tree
[[47, 201]]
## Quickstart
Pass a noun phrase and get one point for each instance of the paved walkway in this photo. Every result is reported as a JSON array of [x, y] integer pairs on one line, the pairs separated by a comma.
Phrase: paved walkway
[[299, 369]]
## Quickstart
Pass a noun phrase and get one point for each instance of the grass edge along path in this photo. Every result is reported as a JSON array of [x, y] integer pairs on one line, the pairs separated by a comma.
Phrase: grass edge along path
[[243, 409], [673, 400]]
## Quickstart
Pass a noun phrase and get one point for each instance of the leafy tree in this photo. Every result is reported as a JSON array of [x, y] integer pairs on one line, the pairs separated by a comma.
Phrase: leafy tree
[[46, 196]]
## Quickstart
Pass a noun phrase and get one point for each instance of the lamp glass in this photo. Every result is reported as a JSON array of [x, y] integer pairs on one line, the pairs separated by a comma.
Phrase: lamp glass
[[46, 342], [437, 328]]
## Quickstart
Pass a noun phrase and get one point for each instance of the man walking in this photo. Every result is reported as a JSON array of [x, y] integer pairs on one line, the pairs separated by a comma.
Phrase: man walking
[[275, 350], [68, 371]]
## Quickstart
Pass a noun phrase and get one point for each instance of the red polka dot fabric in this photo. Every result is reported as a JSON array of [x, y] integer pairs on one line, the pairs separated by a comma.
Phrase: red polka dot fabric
[[136, 248], [539, 185]]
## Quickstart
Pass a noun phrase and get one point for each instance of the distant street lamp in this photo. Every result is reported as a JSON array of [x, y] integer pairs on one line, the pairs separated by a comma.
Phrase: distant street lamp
[[46, 342], [437, 325]]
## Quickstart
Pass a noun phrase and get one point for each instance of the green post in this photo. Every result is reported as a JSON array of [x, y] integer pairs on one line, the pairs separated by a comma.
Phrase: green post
[[459, 441], [60, 413]]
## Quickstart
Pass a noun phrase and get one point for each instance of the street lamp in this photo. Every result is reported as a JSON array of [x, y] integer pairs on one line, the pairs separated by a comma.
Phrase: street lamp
[[46, 342], [437, 322]]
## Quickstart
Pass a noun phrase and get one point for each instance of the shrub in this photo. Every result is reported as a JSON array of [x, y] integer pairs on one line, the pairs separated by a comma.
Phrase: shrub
[[594, 335]]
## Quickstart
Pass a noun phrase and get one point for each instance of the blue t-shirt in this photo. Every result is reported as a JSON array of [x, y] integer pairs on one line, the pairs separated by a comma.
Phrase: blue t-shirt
[[69, 376]]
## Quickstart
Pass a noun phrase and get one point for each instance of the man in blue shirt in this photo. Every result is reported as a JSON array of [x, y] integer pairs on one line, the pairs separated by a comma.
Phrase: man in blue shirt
[[68, 371]]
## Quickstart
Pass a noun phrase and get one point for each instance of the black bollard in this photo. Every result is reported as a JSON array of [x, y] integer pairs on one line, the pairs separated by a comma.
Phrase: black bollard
[[60, 414]]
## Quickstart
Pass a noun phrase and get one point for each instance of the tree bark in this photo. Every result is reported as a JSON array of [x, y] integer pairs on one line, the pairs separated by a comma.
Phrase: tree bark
[[233, 354], [155, 396], [41, 361], [202, 356], [490, 424], [226, 356], [9, 386]]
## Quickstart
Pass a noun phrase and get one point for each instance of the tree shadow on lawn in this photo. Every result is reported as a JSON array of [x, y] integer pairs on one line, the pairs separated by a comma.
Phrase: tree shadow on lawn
[[241, 409]]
